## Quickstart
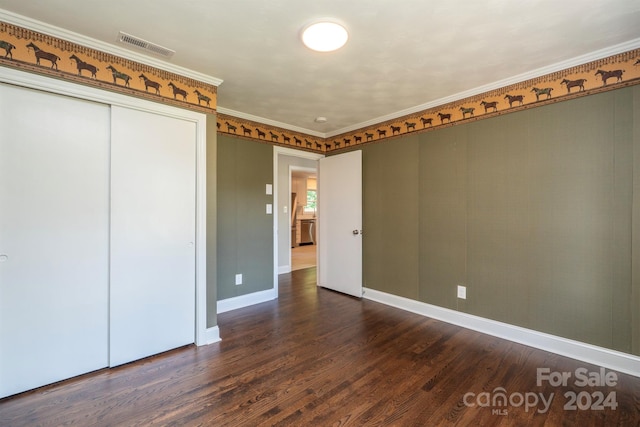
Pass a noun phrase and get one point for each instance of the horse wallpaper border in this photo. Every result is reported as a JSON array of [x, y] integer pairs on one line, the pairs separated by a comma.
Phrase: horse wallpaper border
[[35, 52], [256, 131], [606, 74], [39, 53]]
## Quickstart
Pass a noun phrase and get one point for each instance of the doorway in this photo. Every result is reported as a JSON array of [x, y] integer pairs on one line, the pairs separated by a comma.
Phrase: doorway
[[335, 268], [303, 208], [285, 162]]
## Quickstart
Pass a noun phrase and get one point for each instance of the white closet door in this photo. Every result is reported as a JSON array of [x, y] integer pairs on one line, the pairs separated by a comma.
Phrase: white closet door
[[54, 236], [153, 193]]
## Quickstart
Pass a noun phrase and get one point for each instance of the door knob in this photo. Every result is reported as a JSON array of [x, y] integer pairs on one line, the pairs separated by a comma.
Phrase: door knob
[[356, 232]]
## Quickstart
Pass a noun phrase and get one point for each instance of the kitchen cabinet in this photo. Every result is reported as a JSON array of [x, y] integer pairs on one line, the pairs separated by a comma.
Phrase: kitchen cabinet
[[299, 186]]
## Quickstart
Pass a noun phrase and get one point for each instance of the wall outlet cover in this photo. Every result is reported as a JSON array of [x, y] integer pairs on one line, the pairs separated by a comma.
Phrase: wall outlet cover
[[462, 292], [238, 279]]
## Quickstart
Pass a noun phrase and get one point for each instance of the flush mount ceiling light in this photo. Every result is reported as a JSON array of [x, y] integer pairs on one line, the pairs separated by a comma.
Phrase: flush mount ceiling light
[[324, 36]]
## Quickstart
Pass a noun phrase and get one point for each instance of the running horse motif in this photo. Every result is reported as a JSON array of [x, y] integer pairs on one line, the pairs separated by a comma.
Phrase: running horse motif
[[150, 83], [426, 122], [246, 130], [8, 47], [574, 83], [489, 105], [543, 91], [118, 75], [178, 91], [444, 117], [202, 97], [466, 111], [606, 75], [514, 98], [41, 54], [81, 65]]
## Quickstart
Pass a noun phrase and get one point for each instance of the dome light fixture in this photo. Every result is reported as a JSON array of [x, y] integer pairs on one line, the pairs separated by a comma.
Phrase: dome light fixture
[[325, 36]]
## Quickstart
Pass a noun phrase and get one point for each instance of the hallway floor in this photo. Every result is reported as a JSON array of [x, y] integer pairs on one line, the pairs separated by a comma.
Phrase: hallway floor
[[303, 257]]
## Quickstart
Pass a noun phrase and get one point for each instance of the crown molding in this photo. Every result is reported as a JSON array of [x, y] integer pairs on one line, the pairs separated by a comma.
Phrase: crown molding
[[70, 36], [252, 118], [539, 72]]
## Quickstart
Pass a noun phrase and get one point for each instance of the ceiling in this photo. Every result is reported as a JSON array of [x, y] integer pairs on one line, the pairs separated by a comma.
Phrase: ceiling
[[401, 55]]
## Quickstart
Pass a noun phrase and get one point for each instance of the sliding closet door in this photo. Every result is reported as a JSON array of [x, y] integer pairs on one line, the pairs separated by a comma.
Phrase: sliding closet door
[[54, 238], [152, 291]]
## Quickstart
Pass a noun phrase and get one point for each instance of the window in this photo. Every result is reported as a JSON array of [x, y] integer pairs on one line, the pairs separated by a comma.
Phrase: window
[[311, 202]]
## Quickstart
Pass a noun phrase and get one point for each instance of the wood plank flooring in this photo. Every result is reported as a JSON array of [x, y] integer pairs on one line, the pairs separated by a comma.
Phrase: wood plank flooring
[[303, 257], [318, 358]]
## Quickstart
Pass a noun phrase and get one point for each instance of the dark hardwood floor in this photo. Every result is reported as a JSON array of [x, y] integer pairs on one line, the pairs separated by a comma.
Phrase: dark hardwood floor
[[318, 358]]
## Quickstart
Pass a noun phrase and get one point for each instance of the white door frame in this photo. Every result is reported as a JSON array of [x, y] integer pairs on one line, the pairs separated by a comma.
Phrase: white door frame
[[47, 84], [277, 151]]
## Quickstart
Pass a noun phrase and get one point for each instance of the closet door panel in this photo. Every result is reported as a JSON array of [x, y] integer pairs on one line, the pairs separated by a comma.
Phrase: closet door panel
[[152, 291], [54, 238]]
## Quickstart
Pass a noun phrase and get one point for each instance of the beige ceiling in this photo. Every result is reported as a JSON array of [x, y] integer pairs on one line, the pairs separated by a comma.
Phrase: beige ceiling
[[402, 55]]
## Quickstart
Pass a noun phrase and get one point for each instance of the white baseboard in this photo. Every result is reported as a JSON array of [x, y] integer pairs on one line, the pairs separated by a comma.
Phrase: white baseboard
[[212, 335], [246, 300], [618, 361], [283, 269]]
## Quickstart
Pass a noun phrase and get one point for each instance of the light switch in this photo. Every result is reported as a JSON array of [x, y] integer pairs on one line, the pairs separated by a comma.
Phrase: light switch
[[269, 189], [269, 208], [284, 209]]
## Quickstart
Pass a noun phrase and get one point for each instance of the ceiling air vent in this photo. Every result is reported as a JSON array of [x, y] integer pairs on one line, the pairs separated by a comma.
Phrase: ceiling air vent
[[145, 45]]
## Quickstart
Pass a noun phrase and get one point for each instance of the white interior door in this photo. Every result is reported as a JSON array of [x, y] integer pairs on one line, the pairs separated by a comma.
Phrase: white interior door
[[153, 182], [340, 223], [54, 238]]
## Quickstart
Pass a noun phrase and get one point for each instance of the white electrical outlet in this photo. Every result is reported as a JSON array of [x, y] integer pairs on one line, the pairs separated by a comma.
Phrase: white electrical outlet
[[238, 279], [462, 292]]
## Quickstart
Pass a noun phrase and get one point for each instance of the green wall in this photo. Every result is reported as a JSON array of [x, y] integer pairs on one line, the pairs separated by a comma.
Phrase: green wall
[[390, 252], [244, 230], [536, 212], [634, 300], [212, 221]]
